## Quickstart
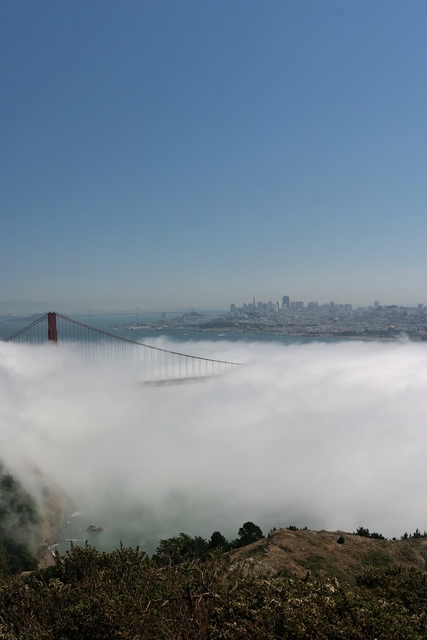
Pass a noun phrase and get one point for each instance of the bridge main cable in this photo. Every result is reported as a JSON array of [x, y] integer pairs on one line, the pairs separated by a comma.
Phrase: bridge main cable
[[29, 326], [133, 342]]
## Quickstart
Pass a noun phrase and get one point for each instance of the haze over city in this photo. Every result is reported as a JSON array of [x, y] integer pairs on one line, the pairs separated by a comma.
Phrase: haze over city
[[170, 154]]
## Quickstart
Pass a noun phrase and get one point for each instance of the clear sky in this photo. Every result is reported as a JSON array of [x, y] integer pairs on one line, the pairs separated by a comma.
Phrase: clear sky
[[162, 153]]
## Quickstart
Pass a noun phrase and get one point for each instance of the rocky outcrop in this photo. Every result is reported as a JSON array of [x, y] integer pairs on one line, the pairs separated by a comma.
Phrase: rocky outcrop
[[94, 528]]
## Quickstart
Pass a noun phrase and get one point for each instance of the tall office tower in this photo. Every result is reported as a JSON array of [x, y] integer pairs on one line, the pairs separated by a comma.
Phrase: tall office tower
[[299, 305], [253, 302], [285, 302], [376, 304], [232, 308], [332, 305]]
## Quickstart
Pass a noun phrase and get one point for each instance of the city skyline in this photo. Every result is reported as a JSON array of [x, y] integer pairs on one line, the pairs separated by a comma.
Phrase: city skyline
[[27, 308], [287, 303], [173, 155]]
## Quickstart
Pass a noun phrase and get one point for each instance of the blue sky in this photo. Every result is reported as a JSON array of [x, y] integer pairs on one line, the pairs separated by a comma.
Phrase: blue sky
[[167, 154]]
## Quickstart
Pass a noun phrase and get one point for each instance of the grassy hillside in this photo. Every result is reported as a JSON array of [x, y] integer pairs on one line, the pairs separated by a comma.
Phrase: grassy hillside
[[293, 553]]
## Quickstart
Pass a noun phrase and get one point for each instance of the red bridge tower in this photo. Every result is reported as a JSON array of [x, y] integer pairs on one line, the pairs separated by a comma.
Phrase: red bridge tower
[[52, 331]]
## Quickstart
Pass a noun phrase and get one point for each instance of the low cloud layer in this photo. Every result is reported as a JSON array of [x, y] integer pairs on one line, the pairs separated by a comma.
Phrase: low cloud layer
[[327, 435]]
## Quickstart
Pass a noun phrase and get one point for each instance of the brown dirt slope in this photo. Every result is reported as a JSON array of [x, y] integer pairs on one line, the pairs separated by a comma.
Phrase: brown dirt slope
[[296, 552]]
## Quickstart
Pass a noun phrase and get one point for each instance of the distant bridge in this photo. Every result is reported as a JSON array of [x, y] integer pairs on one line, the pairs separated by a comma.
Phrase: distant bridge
[[158, 366]]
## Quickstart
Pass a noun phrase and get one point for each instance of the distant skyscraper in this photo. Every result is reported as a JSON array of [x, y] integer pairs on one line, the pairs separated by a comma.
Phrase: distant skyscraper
[[299, 305], [376, 304], [285, 301]]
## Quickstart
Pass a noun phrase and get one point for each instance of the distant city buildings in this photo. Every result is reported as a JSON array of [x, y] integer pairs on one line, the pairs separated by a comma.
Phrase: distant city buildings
[[330, 319], [292, 318], [273, 307]]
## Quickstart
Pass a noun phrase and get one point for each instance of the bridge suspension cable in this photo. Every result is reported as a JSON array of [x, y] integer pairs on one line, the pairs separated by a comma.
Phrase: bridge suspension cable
[[158, 364]]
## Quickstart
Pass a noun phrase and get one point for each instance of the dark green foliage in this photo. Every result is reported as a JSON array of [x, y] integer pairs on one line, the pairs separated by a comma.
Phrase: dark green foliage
[[15, 503], [98, 596], [185, 548], [417, 534], [180, 548], [292, 527], [124, 594], [402, 583], [365, 534], [19, 525], [15, 557], [377, 536], [249, 533], [314, 610], [341, 540], [218, 541]]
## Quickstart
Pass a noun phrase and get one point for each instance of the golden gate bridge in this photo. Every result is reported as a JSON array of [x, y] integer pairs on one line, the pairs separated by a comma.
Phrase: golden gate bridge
[[158, 366]]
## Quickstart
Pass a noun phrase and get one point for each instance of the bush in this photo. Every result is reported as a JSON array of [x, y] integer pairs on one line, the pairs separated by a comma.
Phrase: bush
[[180, 549], [362, 532], [15, 557], [127, 595], [365, 534]]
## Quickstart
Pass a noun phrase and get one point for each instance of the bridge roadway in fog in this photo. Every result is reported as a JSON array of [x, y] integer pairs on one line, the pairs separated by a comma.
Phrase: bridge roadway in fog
[[158, 366]]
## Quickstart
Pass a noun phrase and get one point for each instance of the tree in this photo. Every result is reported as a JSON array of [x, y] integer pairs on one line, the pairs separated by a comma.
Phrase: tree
[[376, 536], [363, 532], [180, 548], [250, 532], [218, 541]]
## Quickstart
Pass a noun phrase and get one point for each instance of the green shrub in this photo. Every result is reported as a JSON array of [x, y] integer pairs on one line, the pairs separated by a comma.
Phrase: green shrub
[[125, 594]]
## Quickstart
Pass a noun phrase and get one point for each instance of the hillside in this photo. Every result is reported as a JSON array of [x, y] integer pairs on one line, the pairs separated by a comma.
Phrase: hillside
[[288, 553], [29, 523]]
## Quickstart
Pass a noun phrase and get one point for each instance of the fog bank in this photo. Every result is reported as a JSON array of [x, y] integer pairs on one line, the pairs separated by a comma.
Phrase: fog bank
[[327, 435]]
